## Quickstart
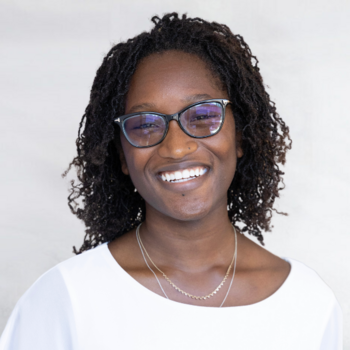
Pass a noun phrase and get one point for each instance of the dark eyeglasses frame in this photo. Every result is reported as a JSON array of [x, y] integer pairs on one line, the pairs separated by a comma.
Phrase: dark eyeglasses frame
[[169, 117]]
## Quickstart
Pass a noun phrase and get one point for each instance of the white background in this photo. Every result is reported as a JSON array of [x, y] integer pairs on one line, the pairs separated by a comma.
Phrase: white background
[[50, 51]]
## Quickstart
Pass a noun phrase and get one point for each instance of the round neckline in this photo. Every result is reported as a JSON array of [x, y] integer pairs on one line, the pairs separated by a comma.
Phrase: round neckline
[[160, 299]]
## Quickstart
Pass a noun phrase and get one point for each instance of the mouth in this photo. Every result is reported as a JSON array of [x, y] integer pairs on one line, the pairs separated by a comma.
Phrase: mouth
[[183, 175]]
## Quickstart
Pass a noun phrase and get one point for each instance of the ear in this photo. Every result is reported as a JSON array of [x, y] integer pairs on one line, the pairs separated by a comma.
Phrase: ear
[[239, 148], [123, 163]]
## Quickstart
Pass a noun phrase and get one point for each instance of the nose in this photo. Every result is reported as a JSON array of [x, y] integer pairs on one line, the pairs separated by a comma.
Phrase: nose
[[176, 144]]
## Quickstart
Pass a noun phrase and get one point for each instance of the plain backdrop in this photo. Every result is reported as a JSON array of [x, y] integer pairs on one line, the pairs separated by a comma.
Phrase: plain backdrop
[[50, 51]]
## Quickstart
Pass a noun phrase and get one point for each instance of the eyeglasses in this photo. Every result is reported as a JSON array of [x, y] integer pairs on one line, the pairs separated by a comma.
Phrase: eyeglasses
[[199, 120]]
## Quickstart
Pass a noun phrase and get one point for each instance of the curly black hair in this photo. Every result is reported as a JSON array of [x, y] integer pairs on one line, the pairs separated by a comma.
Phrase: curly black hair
[[110, 206]]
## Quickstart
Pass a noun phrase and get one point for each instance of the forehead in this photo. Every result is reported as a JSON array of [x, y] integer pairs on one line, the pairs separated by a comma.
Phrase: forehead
[[165, 79]]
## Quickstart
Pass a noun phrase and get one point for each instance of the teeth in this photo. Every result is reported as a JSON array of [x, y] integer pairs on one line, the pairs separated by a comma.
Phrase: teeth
[[185, 175], [178, 175]]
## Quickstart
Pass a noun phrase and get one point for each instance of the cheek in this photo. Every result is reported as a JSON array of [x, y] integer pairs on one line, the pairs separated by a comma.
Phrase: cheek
[[224, 143], [129, 159], [224, 149], [228, 146], [135, 162], [123, 156], [228, 161]]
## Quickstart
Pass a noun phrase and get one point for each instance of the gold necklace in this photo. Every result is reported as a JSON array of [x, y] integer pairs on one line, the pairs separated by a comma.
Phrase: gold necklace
[[174, 285]]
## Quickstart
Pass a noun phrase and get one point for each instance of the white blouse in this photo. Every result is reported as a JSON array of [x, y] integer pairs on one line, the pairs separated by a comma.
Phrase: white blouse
[[89, 302]]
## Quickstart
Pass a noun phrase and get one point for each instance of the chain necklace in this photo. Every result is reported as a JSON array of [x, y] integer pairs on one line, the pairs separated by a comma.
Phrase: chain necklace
[[143, 249]]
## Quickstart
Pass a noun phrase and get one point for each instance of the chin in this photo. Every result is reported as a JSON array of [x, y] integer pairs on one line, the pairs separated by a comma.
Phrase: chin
[[189, 212]]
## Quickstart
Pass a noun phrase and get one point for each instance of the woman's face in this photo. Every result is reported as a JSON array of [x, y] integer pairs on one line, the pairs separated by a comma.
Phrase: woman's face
[[166, 83]]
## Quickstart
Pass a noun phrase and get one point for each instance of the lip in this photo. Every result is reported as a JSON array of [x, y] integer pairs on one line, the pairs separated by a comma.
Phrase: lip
[[188, 185]]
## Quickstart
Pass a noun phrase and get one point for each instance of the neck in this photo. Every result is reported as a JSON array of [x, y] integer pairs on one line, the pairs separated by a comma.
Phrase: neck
[[192, 245]]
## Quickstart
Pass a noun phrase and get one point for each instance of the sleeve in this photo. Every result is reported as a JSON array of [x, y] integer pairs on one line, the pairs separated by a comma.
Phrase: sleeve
[[43, 318], [333, 332]]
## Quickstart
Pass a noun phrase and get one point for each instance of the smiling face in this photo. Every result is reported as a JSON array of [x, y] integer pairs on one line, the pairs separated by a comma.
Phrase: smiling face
[[182, 177]]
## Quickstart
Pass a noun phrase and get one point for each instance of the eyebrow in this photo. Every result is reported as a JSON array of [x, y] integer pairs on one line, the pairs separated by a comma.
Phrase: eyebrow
[[142, 107], [196, 97], [149, 106]]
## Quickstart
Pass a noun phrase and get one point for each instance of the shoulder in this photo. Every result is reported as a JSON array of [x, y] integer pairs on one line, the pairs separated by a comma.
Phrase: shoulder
[[306, 281], [299, 283], [47, 309], [314, 304], [74, 271], [309, 296], [56, 283], [82, 263]]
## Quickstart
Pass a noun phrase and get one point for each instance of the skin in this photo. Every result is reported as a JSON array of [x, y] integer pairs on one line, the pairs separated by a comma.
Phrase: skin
[[187, 231]]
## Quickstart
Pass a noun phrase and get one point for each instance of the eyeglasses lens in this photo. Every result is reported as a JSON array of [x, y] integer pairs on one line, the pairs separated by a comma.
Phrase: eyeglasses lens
[[145, 129], [148, 129], [202, 120]]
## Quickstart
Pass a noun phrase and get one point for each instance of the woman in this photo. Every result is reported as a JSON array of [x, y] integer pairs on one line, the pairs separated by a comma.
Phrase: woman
[[179, 145]]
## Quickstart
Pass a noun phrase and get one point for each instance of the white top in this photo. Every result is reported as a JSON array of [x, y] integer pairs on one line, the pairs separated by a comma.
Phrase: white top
[[89, 302]]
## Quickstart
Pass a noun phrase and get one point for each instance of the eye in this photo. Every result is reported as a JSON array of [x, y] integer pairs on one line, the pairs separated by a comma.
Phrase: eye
[[203, 117], [146, 126]]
